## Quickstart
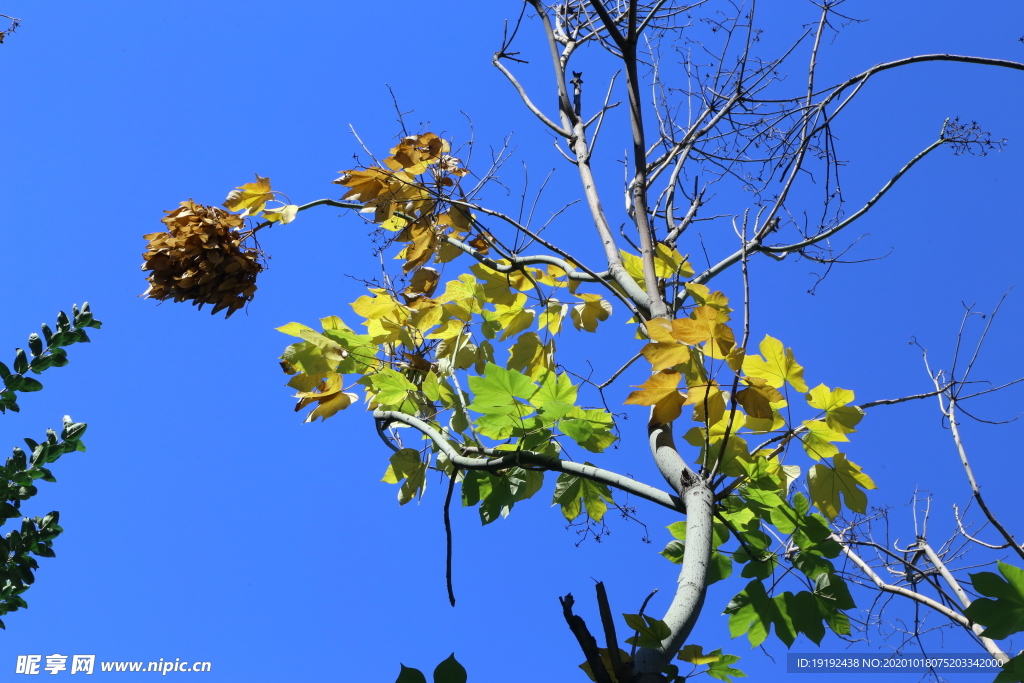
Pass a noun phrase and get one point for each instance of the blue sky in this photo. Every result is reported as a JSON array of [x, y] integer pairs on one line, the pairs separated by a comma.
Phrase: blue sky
[[205, 522]]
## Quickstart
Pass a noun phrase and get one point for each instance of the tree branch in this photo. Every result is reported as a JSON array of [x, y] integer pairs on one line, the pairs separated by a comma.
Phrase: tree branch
[[500, 460]]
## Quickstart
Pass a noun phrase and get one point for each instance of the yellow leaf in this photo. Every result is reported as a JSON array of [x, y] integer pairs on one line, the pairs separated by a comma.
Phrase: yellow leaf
[[282, 214], [694, 654], [586, 315], [761, 425], [668, 262], [333, 322], [708, 402], [530, 356], [423, 243], [425, 314], [845, 477], [817, 441], [662, 356], [757, 397], [378, 306], [735, 358], [703, 295], [449, 329], [416, 152], [551, 317], [704, 323], [634, 266], [250, 198], [668, 409], [327, 408], [838, 415], [657, 387], [778, 365]]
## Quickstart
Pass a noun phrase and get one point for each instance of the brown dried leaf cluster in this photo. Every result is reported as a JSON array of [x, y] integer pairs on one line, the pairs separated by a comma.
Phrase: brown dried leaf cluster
[[201, 258], [411, 204]]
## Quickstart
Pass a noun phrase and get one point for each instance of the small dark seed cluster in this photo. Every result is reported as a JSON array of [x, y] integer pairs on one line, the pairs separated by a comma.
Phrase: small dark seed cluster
[[201, 258]]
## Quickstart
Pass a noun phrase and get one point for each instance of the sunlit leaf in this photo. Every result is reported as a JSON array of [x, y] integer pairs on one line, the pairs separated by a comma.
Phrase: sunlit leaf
[[778, 365], [251, 197], [845, 477]]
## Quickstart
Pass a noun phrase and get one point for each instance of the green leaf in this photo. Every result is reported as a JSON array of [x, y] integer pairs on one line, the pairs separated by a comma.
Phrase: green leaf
[[579, 431], [674, 551], [817, 441], [450, 671], [806, 617], [831, 588], [1012, 671], [721, 670], [751, 611], [826, 483], [1002, 612], [650, 631], [30, 384], [406, 465], [719, 568], [73, 430], [391, 386], [35, 344], [556, 396], [571, 491], [20, 362], [498, 493], [838, 415], [408, 675], [595, 435], [498, 388]]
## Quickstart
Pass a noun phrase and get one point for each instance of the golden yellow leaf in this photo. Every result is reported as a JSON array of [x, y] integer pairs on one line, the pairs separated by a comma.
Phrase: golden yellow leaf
[[694, 654], [586, 315], [757, 397], [530, 356], [708, 402], [551, 317], [251, 197], [423, 283], [378, 306], [332, 405], [282, 214], [662, 356], [669, 262], [778, 365], [657, 387]]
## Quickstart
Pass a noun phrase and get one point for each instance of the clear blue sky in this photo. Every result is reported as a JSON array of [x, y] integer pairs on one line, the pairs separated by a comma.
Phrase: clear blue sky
[[205, 522]]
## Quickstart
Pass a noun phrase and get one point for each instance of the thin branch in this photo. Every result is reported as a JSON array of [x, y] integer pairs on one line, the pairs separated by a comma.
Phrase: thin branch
[[500, 460], [448, 535]]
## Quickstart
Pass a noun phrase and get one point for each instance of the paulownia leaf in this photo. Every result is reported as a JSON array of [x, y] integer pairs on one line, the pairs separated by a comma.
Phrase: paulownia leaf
[[660, 390], [839, 416], [406, 465], [826, 483], [586, 315], [817, 441], [650, 631], [572, 491], [282, 214], [778, 365], [1002, 612], [251, 197]]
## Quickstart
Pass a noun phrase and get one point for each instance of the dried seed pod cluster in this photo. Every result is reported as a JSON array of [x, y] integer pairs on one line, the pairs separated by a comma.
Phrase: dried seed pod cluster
[[202, 257]]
